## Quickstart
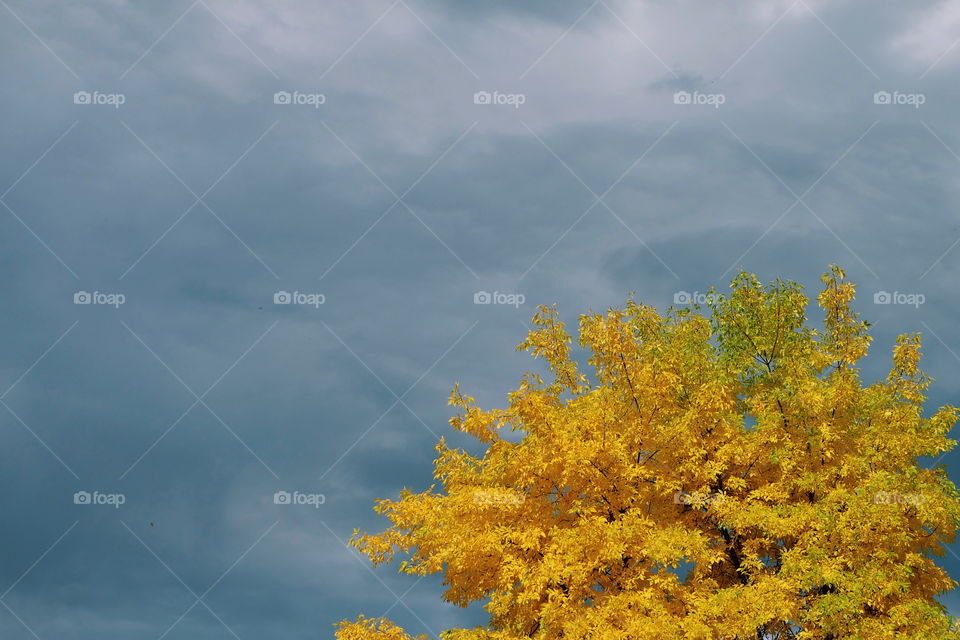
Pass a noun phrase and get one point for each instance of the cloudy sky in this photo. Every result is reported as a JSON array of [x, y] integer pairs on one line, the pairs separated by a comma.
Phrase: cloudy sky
[[184, 169]]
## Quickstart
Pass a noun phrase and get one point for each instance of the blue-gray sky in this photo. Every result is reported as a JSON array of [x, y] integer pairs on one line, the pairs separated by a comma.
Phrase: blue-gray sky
[[652, 147]]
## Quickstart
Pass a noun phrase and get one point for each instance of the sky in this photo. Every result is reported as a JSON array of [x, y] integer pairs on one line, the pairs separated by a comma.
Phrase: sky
[[248, 248]]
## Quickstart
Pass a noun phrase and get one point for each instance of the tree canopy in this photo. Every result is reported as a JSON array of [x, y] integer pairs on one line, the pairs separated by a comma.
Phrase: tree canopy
[[723, 472]]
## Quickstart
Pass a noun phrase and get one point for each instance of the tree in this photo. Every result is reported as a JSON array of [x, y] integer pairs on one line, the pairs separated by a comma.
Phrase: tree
[[721, 475]]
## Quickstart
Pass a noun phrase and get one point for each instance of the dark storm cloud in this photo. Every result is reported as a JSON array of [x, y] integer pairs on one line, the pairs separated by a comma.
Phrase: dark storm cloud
[[541, 10], [597, 185]]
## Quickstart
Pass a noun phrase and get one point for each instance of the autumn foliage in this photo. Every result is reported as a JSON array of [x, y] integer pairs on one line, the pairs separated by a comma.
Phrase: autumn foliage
[[719, 474]]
